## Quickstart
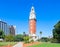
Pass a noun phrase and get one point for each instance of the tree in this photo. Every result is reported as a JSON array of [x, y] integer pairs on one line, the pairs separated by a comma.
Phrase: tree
[[56, 32], [44, 39], [2, 35], [9, 38], [40, 33], [24, 34], [18, 37], [26, 39]]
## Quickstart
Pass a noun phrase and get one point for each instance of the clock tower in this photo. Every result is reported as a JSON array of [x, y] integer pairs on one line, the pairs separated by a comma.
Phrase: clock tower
[[32, 24]]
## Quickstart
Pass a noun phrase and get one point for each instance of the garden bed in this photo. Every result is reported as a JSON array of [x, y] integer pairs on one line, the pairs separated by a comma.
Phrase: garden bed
[[30, 44]]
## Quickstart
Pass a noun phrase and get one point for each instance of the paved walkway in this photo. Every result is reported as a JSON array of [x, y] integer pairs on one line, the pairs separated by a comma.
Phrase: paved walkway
[[20, 44]]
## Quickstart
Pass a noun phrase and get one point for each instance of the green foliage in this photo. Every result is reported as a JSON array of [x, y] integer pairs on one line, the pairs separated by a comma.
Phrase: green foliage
[[9, 38], [54, 40], [57, 25], [18, 38], [32, 41], [26, 39], [56, 32], [2, 35], [44, 39]]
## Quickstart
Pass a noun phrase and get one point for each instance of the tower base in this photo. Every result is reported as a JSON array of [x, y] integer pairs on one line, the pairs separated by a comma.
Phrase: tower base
[[33, 37]]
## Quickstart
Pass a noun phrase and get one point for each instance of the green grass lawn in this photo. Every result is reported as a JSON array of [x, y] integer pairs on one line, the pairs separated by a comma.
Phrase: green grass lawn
[[46, 45], [7, 43]]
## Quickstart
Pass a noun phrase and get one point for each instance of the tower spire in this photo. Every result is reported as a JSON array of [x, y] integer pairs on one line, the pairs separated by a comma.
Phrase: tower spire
[[32, 13]]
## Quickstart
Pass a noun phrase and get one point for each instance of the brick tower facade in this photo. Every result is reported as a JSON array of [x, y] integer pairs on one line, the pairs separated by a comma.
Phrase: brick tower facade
[[32, 24]]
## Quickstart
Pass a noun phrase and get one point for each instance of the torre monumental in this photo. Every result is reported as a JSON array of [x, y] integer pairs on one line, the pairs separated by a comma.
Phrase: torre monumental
[[32, 24]]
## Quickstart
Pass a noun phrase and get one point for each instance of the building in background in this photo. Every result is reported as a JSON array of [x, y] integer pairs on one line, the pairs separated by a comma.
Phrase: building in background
[[12, 30], [5, 27], [32, 25]]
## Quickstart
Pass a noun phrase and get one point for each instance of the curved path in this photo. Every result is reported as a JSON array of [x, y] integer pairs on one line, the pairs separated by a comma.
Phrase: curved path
[[19, 44]]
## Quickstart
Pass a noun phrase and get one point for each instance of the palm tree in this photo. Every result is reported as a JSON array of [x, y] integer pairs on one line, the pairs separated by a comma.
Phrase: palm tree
[[24, 33], [40, 33]]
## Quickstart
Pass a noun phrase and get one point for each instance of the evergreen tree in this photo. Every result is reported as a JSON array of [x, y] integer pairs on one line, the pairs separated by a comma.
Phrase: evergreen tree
[[56, 32]]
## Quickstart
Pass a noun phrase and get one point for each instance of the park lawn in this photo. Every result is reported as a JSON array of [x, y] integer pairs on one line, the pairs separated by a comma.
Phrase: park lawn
[[46, 45], [7, 43]]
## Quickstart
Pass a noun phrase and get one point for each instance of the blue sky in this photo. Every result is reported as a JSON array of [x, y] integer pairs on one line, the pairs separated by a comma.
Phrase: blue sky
[[16, 12]]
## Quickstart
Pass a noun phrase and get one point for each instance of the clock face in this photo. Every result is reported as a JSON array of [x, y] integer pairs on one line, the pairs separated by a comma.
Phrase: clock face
[[32, 16]]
